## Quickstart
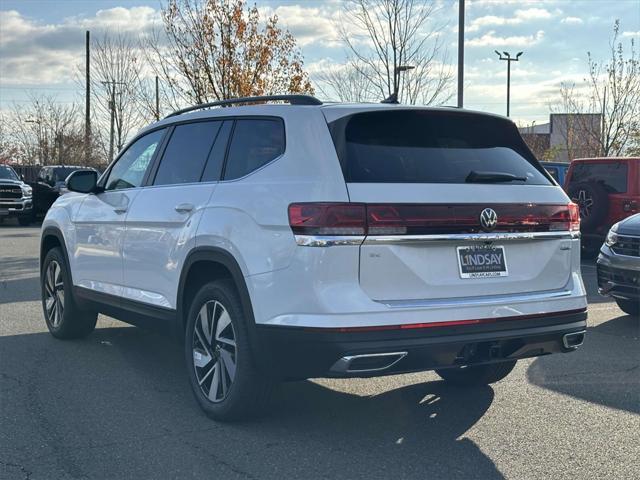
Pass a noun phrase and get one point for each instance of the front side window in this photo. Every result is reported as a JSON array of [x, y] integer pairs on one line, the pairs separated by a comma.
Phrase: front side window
[[255, 143], [611, 175], [186, 154], [129, 170]]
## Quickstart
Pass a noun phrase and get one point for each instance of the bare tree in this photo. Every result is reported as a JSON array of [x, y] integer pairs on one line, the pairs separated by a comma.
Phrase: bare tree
[[345, 83], [44, 131], [117, 72], [612, 91], [384, 37], [217, 49]]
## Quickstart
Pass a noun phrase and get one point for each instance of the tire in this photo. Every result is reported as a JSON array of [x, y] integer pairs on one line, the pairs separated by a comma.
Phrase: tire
[[220, 362], [593, 201], [477, 375], [630, 307], [62, 315]]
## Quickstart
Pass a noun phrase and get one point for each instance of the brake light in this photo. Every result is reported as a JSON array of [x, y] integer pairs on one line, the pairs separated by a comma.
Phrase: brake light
[[327, 218], [568, 219]]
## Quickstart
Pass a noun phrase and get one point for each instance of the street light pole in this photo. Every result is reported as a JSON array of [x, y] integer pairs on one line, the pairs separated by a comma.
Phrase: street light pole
[[508, 58], [460, 53], [112, 109]]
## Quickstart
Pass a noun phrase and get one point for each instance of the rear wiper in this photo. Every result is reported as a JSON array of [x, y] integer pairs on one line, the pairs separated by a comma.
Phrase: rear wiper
[[492, 177]]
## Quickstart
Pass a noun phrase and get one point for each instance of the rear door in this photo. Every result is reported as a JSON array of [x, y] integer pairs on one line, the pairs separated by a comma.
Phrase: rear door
[[161, 224], [427, 177]]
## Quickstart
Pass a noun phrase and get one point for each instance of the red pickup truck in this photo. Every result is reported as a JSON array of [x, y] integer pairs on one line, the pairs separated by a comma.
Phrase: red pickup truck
[[606, 190]]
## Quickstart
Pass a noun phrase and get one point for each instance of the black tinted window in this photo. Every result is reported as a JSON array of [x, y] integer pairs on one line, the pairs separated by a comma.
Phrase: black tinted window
[[611, 175], [255, 142], [7, 173], [129, 170], [186, 153], [430, 147], [213, 169]]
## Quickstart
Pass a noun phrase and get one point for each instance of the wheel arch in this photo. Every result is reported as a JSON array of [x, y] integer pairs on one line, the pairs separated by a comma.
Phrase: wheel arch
[[52, 237], [202, 265]]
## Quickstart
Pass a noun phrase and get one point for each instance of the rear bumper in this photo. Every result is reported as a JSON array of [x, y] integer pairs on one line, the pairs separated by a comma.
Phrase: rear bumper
[[296, 353]]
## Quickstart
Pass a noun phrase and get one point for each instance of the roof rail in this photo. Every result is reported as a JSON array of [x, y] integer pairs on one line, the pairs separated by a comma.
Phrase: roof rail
[[292, 99]]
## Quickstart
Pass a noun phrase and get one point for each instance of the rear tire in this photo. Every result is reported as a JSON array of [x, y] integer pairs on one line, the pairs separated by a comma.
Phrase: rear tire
[[221, 364], [630, 307], [477, 375], [62, 315]]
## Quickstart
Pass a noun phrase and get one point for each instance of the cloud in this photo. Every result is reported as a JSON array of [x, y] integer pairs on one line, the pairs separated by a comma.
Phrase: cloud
[[309, 25], [33, 52], [519, 16], [631, 34], [490, 39], [572, 20]]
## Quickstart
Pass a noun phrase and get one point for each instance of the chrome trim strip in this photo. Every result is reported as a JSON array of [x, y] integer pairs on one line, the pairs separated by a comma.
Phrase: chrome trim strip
[[483, 300], [469, 237], [343, 364], [328, 240]]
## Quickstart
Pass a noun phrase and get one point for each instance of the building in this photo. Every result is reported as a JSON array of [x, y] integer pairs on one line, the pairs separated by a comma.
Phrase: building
[[565, 137]]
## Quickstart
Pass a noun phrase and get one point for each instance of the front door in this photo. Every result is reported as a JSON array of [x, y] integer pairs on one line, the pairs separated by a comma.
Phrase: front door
[[100, 220]]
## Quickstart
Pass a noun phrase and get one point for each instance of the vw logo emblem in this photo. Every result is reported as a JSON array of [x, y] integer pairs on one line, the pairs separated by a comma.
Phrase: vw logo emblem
[[488, 219]]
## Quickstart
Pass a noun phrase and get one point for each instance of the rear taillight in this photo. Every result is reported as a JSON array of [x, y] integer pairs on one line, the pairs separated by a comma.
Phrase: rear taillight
[[566, 219], [327, 218], [419, 219]]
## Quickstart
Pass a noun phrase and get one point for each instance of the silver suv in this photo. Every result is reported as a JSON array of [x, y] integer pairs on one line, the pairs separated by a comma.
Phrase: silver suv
[[288, 241]]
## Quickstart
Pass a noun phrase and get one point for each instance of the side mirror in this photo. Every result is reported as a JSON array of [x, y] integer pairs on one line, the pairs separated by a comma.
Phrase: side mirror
[[82, 181]]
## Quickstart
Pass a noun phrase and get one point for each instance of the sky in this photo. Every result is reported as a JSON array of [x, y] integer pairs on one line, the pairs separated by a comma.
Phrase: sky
[[42, 43]]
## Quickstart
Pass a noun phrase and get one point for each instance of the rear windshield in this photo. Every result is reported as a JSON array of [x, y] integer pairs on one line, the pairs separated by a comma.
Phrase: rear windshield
[[420, 146], [611, 175]]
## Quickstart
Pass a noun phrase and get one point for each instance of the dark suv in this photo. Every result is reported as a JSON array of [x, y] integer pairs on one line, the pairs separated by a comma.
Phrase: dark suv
[[607, 190], [50, 184]]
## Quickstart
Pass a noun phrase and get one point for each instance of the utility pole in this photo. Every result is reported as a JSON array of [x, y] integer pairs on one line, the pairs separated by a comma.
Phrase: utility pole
[[460, 52], [111, 88], [508, 58], [87, 101], [157, 99]]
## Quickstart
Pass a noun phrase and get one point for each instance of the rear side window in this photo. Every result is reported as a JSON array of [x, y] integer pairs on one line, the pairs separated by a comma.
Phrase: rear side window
[[186, 154], [255, 143], [419, 146], [611, 175]]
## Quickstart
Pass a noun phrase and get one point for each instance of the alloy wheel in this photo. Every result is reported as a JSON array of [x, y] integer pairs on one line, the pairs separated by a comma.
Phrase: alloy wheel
[[585, 202], [214, 351], [54, 294]]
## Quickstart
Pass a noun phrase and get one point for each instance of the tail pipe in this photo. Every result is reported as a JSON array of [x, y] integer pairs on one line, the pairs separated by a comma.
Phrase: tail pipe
[[370, 362], [571, 341]]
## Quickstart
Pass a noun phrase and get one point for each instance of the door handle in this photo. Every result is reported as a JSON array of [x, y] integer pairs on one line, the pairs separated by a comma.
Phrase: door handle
[[184, 208], [120, 210]]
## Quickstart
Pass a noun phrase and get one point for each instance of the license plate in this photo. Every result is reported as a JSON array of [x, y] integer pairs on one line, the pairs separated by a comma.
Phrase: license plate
[[482, 262]]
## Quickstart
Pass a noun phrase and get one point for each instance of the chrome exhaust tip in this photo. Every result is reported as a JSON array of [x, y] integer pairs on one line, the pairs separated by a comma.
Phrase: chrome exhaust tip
[[370, 362], [571, 341]]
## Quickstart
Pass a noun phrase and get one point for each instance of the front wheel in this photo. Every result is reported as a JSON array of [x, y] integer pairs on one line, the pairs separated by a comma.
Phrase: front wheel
[[221, 365], [478, 374], [630, 307], [64, 318]]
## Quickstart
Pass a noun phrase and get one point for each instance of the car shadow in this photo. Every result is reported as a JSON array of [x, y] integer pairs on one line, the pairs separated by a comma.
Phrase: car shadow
[[123, 387], [604, 370]]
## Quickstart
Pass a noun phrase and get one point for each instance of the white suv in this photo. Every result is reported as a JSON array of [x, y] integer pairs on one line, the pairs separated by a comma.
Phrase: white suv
[[289, 241]]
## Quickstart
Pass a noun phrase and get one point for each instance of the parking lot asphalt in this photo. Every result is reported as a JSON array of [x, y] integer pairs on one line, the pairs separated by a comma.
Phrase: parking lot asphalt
[[117, 405]]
